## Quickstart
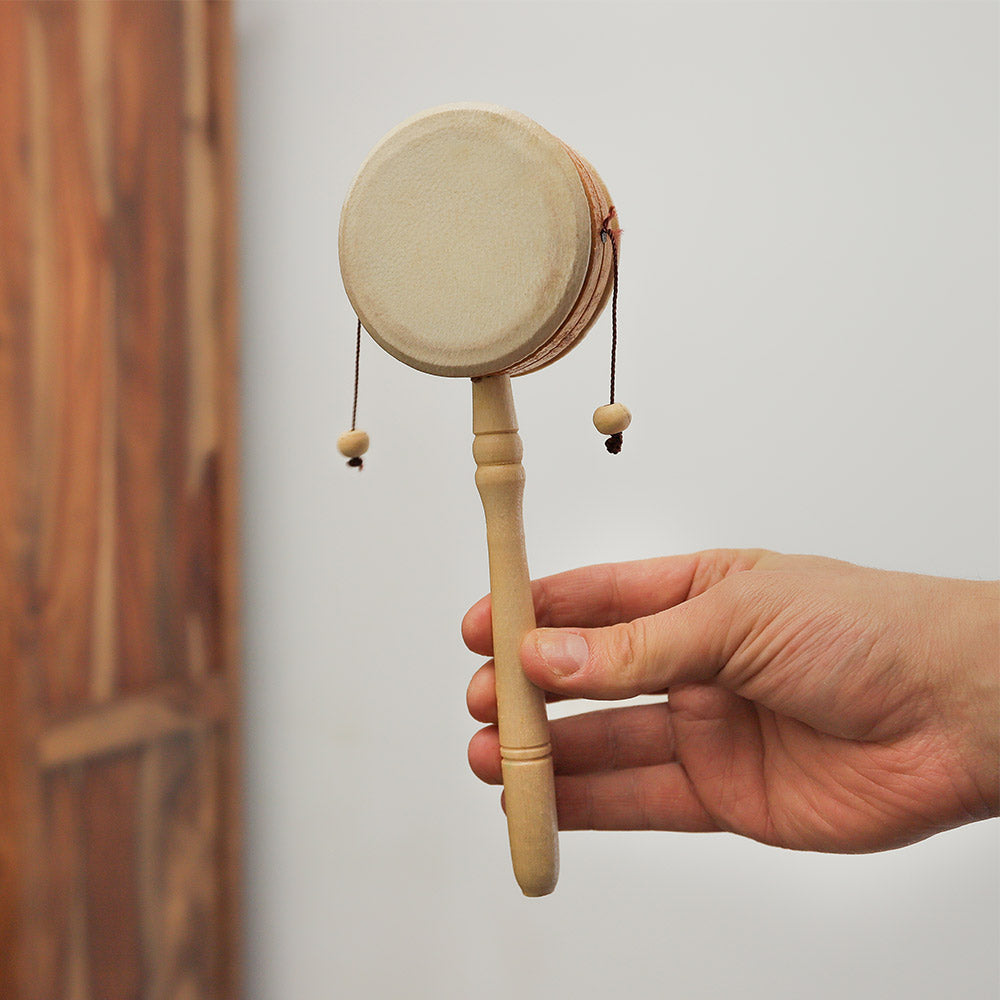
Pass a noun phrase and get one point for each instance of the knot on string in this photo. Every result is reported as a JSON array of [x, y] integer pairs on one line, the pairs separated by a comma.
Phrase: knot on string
[[356, 462], [607, 232], [614, 443]]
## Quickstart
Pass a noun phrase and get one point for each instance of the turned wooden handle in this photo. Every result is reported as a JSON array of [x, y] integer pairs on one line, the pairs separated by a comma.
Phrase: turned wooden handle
[[529, 787]]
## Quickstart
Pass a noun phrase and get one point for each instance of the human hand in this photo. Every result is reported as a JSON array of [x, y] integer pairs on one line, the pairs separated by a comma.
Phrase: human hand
[[813, 704]]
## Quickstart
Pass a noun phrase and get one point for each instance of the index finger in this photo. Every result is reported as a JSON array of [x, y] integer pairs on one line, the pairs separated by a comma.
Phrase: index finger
[[611, 593]]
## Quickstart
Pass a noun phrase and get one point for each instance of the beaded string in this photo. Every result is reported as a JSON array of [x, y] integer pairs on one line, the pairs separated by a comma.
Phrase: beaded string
[[613, 418], [607, 234], [353, 444]]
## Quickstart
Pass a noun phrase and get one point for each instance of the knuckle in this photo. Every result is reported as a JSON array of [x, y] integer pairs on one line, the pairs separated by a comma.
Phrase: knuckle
[[715, 566], [751, 605], [627, 652], [542, 600]]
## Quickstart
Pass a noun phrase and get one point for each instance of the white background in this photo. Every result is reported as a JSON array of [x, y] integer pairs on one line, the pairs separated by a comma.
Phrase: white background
[[809, 346]]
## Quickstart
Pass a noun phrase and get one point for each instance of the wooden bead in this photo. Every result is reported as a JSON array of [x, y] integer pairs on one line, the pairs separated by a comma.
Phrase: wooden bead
[[612, 418], [352, 444]]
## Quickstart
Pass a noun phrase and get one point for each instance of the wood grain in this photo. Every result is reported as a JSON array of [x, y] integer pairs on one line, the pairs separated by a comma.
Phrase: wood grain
[[119, 503]]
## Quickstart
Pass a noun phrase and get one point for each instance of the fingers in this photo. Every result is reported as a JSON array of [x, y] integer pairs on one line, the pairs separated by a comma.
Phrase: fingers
[[609, 740], [597, 596], [642, 798], [481, 696], [654, 797], [688, 643]]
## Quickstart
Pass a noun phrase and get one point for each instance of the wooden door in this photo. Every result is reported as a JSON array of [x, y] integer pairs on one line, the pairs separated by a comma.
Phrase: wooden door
[[119, 776]]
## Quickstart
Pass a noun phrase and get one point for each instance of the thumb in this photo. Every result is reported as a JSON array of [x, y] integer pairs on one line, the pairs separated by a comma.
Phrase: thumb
[[687, 643]]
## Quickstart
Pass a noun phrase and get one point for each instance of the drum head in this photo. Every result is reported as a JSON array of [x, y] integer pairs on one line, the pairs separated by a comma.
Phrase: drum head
[[465, 239]]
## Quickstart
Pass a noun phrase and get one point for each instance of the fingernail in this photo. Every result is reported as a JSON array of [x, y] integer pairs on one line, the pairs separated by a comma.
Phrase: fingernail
[[563, 652]]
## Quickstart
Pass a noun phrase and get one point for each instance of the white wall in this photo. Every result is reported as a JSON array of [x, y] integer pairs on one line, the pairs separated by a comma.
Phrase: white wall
[[809, 346]]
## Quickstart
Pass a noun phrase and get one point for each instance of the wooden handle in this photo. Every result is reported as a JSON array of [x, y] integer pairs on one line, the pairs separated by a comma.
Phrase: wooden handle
[[529, 787]]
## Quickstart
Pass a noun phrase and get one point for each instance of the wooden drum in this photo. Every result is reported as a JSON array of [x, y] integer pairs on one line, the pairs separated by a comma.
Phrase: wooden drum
[[471, 245]]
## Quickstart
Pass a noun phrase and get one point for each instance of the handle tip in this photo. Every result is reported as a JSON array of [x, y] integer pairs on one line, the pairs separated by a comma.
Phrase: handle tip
[[536, 865], [533, 888], [533, 830]]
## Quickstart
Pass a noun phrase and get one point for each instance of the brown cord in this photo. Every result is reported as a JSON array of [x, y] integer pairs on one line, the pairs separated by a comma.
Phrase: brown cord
[[356, 463], [613, 443], [357, 372]]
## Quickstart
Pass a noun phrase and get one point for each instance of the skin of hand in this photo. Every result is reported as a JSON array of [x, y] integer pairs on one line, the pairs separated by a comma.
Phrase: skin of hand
[[812, 704]]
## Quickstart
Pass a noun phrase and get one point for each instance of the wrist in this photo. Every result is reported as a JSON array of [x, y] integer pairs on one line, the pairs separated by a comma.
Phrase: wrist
[[980, 688]]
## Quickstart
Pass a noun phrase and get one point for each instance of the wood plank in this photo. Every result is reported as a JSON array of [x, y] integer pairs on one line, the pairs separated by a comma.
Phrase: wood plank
[[133, 722], [62, 958], [71, 313], [96, 97], [150, 865], [228, 739], [200, 223], [222, 133], [204, 264], [15, 531], [189, 817], [148, 100], [114, 949], [39, 430]]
